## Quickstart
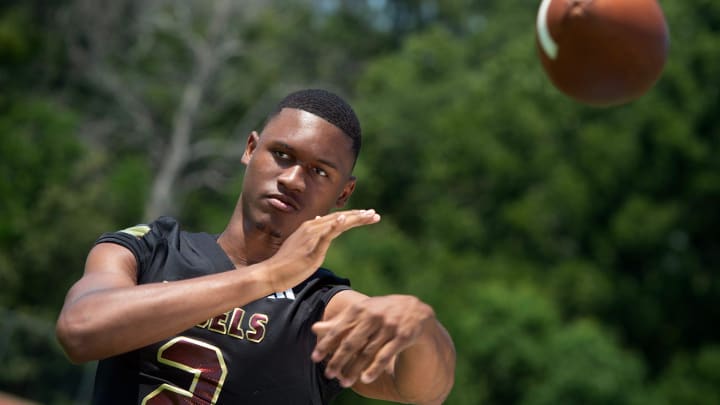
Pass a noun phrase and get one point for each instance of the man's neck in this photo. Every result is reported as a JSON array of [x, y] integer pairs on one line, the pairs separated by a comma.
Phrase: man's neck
[[247, 244]]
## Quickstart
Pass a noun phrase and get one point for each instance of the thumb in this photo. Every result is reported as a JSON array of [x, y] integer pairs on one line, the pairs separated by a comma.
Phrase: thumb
[[325, 340], [320, 328]]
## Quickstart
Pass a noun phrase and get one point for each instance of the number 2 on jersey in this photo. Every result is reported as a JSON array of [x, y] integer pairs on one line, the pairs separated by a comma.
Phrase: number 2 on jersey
[[205, 362]]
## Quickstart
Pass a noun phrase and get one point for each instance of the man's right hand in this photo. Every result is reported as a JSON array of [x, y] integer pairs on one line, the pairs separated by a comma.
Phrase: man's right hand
[[304, 250]]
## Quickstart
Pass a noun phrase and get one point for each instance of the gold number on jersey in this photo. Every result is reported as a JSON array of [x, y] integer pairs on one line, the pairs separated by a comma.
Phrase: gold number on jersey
[[204, 361]]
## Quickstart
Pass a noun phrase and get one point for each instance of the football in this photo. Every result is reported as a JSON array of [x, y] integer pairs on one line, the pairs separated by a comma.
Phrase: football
[[602, 52]]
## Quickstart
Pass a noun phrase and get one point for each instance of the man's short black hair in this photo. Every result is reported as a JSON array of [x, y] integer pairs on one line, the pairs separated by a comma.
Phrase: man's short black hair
[[328, 106]]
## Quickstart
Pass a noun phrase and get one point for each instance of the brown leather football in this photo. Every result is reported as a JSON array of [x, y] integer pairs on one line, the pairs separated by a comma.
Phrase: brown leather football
[[602, 52]]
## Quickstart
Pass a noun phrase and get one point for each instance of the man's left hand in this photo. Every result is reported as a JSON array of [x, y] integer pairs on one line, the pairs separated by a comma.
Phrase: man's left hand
[[362, 341]]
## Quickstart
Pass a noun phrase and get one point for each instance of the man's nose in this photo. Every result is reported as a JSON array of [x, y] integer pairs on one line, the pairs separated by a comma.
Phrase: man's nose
[[293, 177]]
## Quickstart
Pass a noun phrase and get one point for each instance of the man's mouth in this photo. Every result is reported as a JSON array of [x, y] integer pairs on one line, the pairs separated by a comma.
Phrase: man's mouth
[[283, 203]]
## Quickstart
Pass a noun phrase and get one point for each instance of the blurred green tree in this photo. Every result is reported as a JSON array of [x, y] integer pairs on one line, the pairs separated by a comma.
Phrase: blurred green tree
[[571, 251], [691, 378]]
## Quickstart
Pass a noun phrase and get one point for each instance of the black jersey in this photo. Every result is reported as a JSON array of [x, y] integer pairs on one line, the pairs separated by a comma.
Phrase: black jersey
[[257, 354]]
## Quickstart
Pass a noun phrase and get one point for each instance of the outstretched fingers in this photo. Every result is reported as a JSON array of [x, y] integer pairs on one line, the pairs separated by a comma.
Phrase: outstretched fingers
[[304, 250], [330, 226], [344, 220]]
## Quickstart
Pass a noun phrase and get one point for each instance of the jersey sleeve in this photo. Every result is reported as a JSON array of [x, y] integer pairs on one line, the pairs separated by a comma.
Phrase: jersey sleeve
[[143, 239], [315, 293], [331, 286], [324, 284]]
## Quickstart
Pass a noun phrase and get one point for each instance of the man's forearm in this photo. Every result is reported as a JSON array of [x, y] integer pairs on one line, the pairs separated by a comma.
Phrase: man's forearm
[[104, 323]]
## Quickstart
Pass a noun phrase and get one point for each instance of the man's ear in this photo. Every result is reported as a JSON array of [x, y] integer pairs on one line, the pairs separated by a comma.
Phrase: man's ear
[[250, 147], [346, 192]]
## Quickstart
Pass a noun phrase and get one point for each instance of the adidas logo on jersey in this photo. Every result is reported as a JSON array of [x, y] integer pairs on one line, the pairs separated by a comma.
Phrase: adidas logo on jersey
[[287, 294]]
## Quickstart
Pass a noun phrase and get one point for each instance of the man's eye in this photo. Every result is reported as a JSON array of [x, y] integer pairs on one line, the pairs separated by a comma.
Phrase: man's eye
[[281, 155], [321, 172]]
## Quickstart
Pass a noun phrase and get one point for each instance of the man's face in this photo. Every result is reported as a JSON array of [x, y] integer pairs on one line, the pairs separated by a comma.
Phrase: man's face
[[299, 167]]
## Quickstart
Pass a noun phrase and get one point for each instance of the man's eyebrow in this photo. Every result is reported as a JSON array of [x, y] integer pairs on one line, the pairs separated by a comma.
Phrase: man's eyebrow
[[325, 162], [328, 163], [285, 146]]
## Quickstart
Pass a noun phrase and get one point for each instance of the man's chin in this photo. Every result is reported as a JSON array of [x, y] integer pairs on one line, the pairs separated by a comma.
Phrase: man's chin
[[277, 230], [266, 228], [276, 224]]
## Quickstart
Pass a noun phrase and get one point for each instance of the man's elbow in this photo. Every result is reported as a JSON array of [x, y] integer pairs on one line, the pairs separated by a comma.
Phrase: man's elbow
[[74, 338], [437, 391], [444, 390], [437, 397], [446, 380]]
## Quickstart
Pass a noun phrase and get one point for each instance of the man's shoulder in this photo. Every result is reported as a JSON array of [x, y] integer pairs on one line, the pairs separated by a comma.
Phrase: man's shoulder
[[160, 227], [165, 238], [164, 228]]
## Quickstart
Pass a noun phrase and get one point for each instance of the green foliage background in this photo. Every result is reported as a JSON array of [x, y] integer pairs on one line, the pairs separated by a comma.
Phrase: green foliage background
[[572, 252]]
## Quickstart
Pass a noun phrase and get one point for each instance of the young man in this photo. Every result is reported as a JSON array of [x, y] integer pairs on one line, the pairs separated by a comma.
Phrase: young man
[[247, 316]]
